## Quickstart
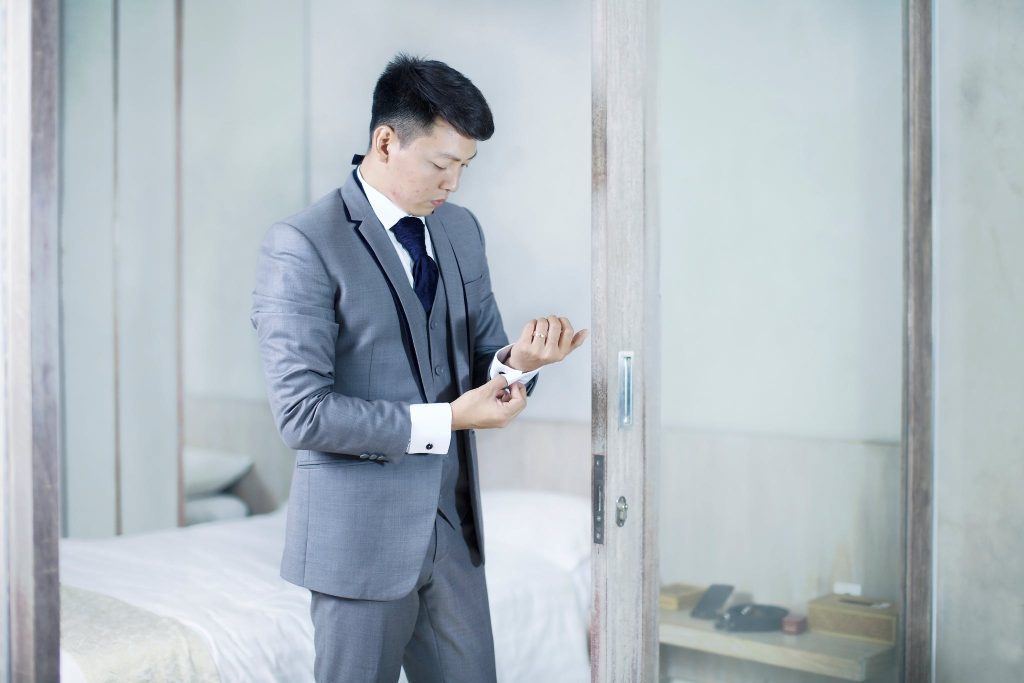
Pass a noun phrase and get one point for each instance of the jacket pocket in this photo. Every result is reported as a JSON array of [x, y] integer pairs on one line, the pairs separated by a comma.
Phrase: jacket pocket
[[318, 460]]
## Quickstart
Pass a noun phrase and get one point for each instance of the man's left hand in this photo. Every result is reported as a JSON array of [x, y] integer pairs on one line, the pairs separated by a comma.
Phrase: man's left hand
[[544, 341]]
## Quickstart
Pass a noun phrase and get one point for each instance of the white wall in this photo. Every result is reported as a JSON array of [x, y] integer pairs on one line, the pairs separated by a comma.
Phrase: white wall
[[117, 268], [245, 166], [979, 311], [780, 178], [87, 269], [147, 293]]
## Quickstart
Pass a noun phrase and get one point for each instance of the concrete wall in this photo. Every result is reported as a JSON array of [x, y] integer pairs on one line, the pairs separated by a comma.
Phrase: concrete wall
[[979, 310]]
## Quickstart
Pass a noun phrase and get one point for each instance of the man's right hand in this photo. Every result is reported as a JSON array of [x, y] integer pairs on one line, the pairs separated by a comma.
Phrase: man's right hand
[[489, 406]]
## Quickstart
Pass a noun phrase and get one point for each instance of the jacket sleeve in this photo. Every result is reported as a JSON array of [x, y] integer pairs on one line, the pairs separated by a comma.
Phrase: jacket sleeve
[[293, 314], [488, 329]]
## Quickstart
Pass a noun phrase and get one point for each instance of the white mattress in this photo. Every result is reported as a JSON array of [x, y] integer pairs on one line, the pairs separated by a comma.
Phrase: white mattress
[[221, 579]]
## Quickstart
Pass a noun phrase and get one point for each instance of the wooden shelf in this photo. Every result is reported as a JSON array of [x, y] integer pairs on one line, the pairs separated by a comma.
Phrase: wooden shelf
[[847, 658]]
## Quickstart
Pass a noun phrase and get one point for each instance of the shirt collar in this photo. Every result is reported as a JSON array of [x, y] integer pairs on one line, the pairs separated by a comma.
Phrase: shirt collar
[[387, 212]]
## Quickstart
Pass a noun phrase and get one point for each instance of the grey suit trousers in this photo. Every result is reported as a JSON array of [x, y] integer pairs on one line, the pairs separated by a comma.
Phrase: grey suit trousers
[[440, 632]]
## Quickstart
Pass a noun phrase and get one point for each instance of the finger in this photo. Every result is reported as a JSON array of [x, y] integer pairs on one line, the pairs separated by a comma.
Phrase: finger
[[540, 332], [497, 385], [517, 398], [580, 337], [554, 332], [565, 341], [526, 338]]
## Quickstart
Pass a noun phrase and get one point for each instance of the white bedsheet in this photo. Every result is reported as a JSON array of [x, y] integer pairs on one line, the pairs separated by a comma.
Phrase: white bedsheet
[[222, 580]]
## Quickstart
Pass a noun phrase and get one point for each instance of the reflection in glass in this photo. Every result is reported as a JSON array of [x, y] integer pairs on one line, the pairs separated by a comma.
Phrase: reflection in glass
[[780, 177]]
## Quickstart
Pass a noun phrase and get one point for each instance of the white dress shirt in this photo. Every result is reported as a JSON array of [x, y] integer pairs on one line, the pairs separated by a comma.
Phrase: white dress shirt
[[431, 422]]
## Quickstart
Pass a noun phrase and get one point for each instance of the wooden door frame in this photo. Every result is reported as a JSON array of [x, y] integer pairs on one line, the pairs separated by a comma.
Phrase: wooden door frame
[[917, 438], [624, 633], [30, 424]]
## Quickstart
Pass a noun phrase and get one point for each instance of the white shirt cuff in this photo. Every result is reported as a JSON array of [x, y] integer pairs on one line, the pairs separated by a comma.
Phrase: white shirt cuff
[[431, 428], [511, 374]]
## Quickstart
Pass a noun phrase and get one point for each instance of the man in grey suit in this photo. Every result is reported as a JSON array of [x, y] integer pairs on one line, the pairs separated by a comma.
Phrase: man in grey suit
[[383, 350]]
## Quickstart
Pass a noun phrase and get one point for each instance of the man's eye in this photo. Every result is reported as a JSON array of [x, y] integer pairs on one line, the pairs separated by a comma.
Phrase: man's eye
[[440, 168]]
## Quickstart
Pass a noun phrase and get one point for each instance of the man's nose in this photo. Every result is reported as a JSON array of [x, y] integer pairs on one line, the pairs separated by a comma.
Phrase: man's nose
[[450, 182]]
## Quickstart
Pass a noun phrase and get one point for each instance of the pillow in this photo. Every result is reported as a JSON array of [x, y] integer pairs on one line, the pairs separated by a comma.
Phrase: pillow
[[214, 508], [208, 471], [555, 526]]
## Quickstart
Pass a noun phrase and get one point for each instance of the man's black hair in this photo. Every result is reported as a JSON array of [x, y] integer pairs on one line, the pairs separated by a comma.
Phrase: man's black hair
[[413, 92]]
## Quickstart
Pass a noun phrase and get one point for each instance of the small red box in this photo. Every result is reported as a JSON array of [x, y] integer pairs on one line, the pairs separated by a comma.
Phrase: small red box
[[794, 623]]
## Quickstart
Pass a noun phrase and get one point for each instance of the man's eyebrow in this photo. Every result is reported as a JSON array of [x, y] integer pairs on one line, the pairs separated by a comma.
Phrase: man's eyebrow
[[455, 158]]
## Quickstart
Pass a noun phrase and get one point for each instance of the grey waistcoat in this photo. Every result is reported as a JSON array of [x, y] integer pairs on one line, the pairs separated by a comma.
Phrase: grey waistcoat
[[453, 501]]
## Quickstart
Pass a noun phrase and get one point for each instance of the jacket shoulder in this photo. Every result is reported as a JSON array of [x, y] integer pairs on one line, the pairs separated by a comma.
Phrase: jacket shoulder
[[323, 214]]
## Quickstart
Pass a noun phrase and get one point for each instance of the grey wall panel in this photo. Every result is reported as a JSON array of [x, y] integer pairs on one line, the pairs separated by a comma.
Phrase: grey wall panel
[[529, 185], [87, 268], [146, 286], [979, 299], [244, 166]]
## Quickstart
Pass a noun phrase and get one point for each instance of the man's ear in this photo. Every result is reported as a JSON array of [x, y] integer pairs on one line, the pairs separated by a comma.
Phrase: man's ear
[[384, 139]]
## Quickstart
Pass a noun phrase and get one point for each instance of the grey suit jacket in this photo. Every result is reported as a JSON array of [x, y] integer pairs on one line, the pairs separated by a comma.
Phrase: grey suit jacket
[[343, 340]]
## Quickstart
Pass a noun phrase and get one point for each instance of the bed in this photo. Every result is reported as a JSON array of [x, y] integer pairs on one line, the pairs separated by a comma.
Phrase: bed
[[205, 603]]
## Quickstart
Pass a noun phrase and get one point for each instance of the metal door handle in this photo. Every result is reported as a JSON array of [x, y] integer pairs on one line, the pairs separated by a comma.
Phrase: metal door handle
[[625, 389]]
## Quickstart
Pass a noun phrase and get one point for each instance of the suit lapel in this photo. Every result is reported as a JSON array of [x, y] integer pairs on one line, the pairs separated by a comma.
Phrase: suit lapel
[[448, 264], [372, 232]]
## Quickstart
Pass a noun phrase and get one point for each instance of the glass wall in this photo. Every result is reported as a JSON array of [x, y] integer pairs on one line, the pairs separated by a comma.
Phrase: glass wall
[[779, 172]]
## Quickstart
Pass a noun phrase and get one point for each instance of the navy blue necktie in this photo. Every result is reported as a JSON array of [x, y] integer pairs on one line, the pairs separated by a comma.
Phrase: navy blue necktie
[[409, 232]]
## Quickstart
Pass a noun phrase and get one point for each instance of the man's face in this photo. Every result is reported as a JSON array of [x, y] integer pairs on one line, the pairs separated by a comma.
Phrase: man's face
[[422, 172]]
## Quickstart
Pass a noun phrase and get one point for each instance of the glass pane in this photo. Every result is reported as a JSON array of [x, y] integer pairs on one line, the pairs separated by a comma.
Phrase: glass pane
[[780, 181]]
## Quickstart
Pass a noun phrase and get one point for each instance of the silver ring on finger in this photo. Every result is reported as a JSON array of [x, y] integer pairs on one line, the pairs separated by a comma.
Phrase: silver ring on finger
[[540, 334]]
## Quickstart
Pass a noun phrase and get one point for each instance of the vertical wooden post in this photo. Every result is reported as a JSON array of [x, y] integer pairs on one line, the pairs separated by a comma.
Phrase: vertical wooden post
[[30, 424], [624, 628], [917, 437]]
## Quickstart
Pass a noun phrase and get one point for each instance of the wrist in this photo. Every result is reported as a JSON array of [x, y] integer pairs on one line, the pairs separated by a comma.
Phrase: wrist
[[516, 363], [457, 420]]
